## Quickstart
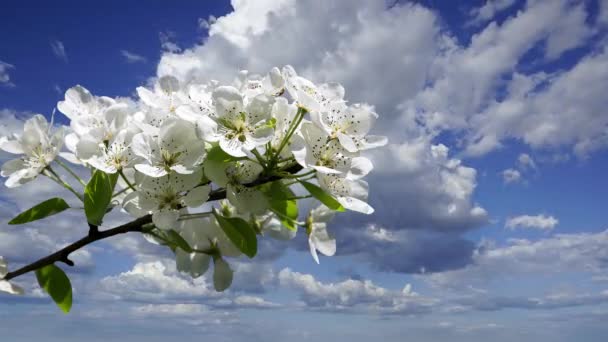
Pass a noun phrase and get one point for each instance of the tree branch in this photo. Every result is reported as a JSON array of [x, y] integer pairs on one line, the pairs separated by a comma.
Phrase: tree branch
[[134, 226]]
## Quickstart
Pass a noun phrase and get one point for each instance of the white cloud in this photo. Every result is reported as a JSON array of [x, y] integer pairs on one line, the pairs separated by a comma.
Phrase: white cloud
[[156, 281], [354, 295], [167, 43], [580, 254], [525, 162], [131, 57], [5, 79], [205, 24], [511, 176], [59, 50], [489, 10], [541, 222]]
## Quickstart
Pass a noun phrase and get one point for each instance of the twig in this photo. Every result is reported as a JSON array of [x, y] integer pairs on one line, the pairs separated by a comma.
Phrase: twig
[[63, 254]]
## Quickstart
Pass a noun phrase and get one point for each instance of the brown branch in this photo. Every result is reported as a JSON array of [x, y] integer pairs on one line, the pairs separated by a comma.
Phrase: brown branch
[[134, 226]]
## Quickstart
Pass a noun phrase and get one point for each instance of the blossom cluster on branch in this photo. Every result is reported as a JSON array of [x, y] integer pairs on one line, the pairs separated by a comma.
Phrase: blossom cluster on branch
[[214, 167]]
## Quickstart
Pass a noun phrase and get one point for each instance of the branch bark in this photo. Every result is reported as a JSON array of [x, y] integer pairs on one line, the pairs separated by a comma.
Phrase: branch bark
[[136, 225]]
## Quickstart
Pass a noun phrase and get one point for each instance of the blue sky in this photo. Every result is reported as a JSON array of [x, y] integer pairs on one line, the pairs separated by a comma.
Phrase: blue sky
[[489, 198]]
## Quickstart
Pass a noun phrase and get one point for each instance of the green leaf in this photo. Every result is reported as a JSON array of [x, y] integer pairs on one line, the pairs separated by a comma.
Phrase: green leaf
[[98, 195], [215, 164], [47, 208], [240, 233], [57, 284], [322, 196], [286, 209], [177, 240]]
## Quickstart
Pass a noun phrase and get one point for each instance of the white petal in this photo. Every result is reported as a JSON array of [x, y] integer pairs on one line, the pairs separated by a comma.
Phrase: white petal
[[7, 287], [247, 200], [313, 250], [131, 204], [77, 102], [359, 167], [222, 274], [233, 147], [347, 142], [355, 204], [12, 166], [323, 242], [11, 146], [87, 148], [373, 141], [165, 218], [149, 170], [197, 196], [3, 267]]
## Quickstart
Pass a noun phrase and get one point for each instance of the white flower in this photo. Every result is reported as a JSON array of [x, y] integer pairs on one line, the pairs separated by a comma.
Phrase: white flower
[[199, 110], [165, 197], [318, 237], [350, 126], [166, 97], [201, 234], [242, 122], [272, 226], [39, 149], [309, 96], [284, 113], [5, 285], [351, 193], [176, 148], [110, 157], [95, 119], [245, 199], [273, 84], [327, 155]]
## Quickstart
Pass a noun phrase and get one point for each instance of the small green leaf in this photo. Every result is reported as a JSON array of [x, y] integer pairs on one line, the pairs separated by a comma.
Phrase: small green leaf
[[47, 208], [57, 284], [240, 233], [286, 209], [177, 240], [98, 195], [215, 164], [323, 196]]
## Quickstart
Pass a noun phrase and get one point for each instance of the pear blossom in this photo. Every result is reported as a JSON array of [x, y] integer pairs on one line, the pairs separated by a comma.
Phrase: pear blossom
[[176, 148], [327, 155], [38, 148], [245, 199], [351, 193], [5, 285], [273, 84], [309, 96], [243, 123], [350, 125], [271, 226], [284, 114], [166, 197], [202, 234], [166, 96], [318, 237], [109, 157]]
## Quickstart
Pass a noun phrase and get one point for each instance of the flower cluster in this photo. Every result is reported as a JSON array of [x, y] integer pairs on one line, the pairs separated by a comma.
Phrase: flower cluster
[[214, 166]]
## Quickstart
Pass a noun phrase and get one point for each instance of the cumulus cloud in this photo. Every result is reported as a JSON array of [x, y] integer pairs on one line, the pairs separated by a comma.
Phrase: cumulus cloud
[[583, 254], [5, 79], [541, 222], [131, 57], [354, 295], [417, 185], [511, 176], [59, 50]]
